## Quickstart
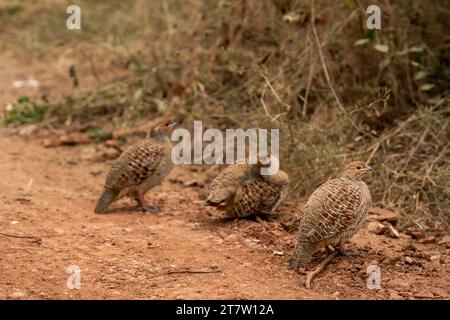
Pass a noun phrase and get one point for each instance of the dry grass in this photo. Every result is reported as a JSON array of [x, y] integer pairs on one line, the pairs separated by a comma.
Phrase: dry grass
[[281, 63]]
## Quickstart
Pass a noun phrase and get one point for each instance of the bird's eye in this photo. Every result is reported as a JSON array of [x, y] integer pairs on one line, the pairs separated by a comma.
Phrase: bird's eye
[[358, 167]]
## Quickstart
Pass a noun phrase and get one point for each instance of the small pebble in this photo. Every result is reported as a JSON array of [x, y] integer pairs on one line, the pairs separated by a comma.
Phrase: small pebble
[[424, 294], [409, 260], [19, 294]]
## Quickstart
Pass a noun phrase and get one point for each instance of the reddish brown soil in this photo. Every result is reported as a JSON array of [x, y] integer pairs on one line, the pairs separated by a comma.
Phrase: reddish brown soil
[[50, 193]]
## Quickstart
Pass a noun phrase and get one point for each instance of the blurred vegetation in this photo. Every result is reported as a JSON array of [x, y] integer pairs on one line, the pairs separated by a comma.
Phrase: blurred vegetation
[[26, 111], [337, 91]]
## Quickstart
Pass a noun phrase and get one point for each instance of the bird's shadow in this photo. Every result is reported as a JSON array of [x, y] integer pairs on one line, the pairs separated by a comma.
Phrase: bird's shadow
[[125, 210], [135, 208], [254, 218]]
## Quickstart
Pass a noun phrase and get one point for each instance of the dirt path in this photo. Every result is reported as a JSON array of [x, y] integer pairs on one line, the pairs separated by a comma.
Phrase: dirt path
[[50, 193]]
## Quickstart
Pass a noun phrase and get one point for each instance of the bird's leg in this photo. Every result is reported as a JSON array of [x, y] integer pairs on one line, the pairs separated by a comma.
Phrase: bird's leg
[[146, 207], [319, 268], [260, 220], [328, 250], [347, 254]]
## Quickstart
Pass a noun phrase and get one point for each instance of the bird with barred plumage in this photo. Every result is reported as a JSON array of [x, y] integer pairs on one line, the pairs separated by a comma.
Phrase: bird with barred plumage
[[240, 190], [333, 214], [139, 168]]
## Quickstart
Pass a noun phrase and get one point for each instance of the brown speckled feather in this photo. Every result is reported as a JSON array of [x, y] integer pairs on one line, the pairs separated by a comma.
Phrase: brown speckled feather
[[225, 187], [241, 191], [333, 214], [337, 208], [135, 166], [138, 169]]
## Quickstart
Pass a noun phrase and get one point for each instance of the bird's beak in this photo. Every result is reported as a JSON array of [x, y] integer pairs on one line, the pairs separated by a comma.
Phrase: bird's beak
[[173, 124], [368, 168]]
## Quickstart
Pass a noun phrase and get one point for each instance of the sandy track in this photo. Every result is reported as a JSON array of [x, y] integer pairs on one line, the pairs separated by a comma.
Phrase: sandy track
[[121, 255]]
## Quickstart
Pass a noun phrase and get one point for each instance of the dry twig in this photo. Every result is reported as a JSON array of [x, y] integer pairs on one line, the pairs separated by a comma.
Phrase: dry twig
[[35, 239]]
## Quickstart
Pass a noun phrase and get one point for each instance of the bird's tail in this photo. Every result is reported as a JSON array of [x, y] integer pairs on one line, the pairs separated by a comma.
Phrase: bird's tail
[[303, 253], [107, 197]]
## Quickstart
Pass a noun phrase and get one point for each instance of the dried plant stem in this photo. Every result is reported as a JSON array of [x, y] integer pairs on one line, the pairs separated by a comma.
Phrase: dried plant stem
[[35, 239], [275, 93], [187, 272], [325, 70]]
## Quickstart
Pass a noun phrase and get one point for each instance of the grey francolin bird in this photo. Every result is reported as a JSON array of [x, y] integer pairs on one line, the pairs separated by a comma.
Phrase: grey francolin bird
[[139, 168], [240, 190], [333, 214]]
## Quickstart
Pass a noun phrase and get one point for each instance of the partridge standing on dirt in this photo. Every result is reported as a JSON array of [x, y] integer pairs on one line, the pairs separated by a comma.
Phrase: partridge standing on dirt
[[139, 168], [334, 213], [241, 190]]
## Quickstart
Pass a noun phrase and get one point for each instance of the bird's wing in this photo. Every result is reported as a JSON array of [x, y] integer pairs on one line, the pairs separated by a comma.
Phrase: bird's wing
[[263, 195], [272, 190], [139, 162], [332, 209]]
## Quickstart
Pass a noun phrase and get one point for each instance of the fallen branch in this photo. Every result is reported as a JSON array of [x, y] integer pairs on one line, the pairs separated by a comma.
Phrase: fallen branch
[[35, 239], [187, 272], [193, 271]]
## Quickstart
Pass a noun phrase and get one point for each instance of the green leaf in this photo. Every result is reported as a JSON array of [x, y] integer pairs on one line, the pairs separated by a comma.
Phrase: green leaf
[[10, 10], [417, 49], [384, 48], [420, 74], [361, 42], [23, 99], [401, 53], [427, 87], [384, 63], [370, 34], [25, 111]]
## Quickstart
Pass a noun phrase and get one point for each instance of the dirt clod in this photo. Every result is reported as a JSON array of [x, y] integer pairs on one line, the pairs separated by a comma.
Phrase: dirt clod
[[445, 240], [381, 214], [376, 227], [425, 294]]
